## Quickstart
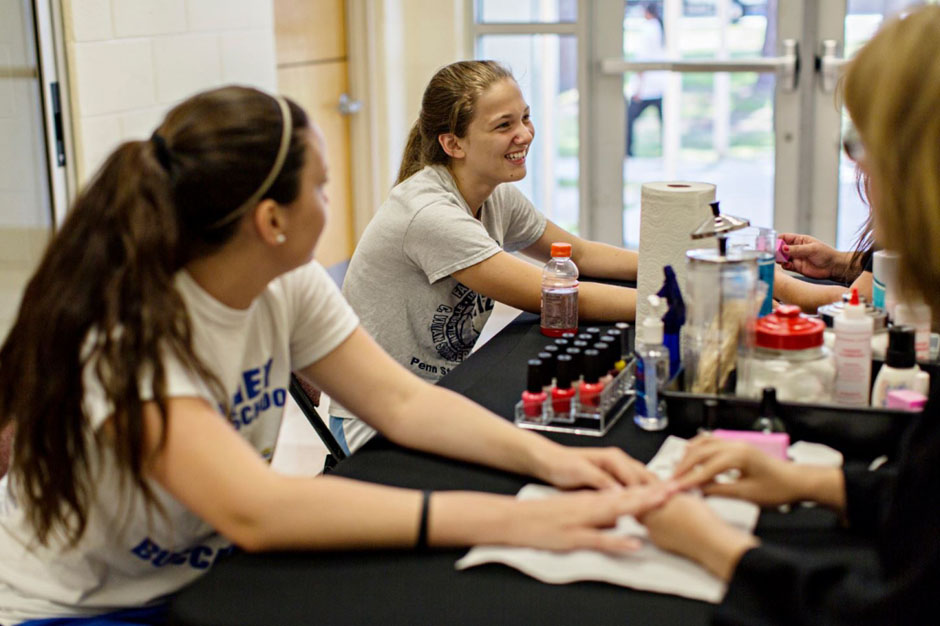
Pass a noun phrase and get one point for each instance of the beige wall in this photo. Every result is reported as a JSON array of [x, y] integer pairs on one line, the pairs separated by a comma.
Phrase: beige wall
[[417, 38], [312, 69], [131, 60]]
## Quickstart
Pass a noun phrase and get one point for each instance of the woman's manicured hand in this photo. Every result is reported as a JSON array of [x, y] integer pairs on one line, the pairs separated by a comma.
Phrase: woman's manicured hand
[[762, 479], [600, 468], [580, 520], [811, 257], [687, 526]]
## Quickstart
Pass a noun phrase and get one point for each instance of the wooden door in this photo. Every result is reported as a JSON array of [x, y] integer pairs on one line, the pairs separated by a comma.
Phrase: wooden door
[[310, 36]]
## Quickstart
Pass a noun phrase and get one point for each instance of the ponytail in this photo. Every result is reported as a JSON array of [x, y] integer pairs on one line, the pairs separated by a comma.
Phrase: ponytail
[[103, 305], [411, 161], [103, 299]]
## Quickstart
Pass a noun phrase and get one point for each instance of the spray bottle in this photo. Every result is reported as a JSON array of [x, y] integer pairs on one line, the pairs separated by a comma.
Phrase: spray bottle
[[652, 369]]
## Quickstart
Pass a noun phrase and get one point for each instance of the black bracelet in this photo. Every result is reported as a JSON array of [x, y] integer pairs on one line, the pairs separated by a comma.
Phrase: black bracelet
[[422, 543]]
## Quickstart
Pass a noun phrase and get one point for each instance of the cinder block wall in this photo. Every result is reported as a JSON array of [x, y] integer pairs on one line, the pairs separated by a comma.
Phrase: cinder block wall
[[131, 60]]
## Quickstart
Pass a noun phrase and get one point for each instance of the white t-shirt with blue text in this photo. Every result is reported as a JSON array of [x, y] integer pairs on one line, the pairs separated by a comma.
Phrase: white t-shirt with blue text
[[126, 557]]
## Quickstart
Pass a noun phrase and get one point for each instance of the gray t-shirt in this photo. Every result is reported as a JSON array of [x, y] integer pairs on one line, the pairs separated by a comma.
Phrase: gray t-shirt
[[399, 279]]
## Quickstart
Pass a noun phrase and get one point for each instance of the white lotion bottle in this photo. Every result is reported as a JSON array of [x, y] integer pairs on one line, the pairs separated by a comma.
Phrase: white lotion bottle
[[900, 369], [918, 315], [853, 331]]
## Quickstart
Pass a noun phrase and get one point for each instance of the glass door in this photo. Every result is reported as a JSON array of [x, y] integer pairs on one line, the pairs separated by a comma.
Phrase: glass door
[[740, 93], [690, 124], [27, 174], [707, 90], [538, 41]]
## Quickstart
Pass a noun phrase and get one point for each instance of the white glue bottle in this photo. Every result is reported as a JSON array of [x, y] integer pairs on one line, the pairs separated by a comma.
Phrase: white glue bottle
[[853, 331]]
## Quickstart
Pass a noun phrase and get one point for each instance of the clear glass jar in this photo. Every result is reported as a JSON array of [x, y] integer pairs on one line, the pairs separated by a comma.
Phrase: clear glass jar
[[719, 307], [804, 375], [788, 355]]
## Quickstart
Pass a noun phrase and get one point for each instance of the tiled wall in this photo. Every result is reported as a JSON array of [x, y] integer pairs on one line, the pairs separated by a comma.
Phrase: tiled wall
[[131, 60]]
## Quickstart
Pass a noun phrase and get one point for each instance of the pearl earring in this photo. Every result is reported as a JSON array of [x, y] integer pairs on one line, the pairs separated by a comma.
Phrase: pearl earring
[[281, 238]]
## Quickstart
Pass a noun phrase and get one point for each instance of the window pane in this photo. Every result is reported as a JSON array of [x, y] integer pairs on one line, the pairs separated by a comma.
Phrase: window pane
[[713, 127], [546, 68], [25, 202], [527, 11], [862, 19]]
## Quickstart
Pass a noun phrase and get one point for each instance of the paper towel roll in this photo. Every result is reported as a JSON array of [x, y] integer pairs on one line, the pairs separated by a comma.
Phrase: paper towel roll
[[669, 211]]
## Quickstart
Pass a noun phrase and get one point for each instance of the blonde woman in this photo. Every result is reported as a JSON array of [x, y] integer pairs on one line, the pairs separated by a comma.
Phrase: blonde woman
[[892, 92]]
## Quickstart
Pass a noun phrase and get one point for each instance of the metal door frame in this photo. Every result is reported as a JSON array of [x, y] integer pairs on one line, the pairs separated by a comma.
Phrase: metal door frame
[[807, 119]]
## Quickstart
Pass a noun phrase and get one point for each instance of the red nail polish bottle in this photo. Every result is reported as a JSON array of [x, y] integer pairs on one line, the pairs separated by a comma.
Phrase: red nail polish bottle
[[562, 392], [533, 397], [590, 390]]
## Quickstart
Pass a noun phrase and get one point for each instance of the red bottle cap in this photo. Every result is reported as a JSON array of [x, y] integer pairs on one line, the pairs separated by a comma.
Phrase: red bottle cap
[[561, 249], [788, 329]]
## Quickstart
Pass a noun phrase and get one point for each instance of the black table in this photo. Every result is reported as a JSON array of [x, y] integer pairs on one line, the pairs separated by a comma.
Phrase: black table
[[404, 587]]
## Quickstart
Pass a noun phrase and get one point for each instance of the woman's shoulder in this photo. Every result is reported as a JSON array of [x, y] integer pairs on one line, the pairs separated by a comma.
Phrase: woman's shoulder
[[308, 276], [431, 186], [431, 179]]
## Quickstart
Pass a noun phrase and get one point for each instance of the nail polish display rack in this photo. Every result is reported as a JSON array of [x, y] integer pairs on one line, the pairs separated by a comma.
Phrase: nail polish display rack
[[594, 421]]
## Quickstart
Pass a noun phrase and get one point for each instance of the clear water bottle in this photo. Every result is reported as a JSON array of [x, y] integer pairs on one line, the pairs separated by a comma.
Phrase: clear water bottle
[[560, 293]]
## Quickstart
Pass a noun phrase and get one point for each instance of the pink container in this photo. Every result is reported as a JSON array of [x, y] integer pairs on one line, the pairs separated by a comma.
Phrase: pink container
[[774, 444], [906, 400]]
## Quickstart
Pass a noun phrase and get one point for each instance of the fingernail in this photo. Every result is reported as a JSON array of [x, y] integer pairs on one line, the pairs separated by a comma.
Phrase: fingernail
[[632, 544], [786, 248]]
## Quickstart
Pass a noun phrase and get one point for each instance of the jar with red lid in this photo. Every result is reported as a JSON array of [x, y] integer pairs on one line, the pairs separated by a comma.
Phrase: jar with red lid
[[789, 355]]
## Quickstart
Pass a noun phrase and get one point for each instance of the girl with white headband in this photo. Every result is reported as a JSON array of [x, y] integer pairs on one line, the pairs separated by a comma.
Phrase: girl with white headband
[[147, 371]]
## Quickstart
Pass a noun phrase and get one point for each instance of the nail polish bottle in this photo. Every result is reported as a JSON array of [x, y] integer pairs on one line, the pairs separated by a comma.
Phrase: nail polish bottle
[[626, 339], [767, 420], [617, 338], [563, 392], [582, 346], [533, 397], [577, 365], [595, 331], [589, 393], [553, 350], [603, 350], [568, 336], [586, 337], [562, 344], [548, 370]]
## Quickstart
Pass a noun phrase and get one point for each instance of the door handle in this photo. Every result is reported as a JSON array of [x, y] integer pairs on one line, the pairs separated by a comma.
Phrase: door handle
[[348, 106], [786, 66], [830, 65]]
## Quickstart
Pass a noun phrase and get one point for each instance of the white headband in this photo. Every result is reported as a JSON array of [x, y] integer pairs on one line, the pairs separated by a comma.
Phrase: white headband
[[286, 129]]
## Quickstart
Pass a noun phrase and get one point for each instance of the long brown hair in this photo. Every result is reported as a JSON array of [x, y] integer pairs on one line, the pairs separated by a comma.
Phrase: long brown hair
[[448, 106], [103, 298], [892, 90]]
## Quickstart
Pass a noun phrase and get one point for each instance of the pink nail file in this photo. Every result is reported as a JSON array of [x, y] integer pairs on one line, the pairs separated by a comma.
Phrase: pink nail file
[[906, 400], [781, 256], [774, 444]]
